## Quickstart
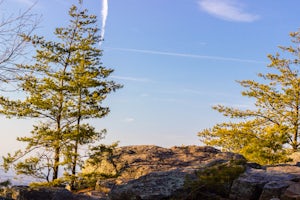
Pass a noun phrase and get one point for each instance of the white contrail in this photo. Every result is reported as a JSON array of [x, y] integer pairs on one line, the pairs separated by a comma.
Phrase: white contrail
[[166, 53], [104, 13]]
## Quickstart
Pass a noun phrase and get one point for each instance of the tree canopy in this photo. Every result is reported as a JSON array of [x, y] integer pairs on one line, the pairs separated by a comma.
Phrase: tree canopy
[[65, 86], [267, 132]]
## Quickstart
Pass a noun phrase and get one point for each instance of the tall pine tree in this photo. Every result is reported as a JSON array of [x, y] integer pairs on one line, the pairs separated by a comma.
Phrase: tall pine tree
[[66, 85], [264, 134]]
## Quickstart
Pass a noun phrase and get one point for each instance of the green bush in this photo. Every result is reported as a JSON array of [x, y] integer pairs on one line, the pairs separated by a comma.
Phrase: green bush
[[214, 182]]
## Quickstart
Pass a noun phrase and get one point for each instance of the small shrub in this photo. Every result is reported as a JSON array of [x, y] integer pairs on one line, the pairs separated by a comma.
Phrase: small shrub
[[89, 180], [56, 183], [5, 183], [214, 182]]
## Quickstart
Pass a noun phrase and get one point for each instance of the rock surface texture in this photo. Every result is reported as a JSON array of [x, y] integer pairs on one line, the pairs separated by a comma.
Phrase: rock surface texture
[[180, 173], [144, 159], [159, 173], [43, 193], [154, 172]]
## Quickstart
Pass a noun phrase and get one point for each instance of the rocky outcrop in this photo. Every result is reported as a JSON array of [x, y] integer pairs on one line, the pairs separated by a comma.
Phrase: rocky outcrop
[[269, 183], [187, 172], [281, 182], [153, 172], [136, 161], [158, 173], [156, 185], [43, 193], [260, 184]]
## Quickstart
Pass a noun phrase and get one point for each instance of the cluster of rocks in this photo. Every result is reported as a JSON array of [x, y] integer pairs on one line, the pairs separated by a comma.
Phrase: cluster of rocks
[[265, 183], [42, 193], [152, 172], [160, 173]]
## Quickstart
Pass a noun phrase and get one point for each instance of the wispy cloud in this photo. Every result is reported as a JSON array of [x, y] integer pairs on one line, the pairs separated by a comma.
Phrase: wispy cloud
[[229, 10], [128, 78], [220, 58]]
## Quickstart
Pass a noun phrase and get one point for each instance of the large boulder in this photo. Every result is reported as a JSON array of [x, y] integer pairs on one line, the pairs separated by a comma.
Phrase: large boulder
[[139, 160], [260, 184], [155, 185], [159, 173], [43, 193], [292, 192], [274, 189], [182, 183], [270, 182]]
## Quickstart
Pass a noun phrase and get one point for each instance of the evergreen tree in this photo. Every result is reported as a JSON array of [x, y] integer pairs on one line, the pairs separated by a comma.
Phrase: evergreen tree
[[263, 134], [66, 85]]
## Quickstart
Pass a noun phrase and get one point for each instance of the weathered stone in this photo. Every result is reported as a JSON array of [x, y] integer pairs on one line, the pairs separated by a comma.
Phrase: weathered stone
[[44, 193], [274, 189], [289, 169], [143, 159], [150, 174], [155, 185], [250, 185], [292, 192], [146, 160]]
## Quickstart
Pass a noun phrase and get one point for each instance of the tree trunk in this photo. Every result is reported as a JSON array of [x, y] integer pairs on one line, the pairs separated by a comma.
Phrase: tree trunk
[[56, 163]]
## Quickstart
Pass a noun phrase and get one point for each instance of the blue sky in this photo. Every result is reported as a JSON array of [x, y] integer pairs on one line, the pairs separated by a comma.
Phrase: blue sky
[[175, 58]]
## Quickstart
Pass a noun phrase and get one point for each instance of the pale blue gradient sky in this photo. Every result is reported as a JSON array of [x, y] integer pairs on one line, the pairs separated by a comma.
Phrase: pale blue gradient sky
[[176, 58]]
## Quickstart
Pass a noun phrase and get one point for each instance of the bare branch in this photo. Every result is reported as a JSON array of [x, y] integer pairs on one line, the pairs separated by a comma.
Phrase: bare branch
[[13, 46]]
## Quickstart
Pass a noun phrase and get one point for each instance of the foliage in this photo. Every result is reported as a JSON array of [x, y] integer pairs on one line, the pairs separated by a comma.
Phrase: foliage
[[5, 183], [59, 182], [90, 180], [65, 86], [264, 133], [79, 181], [106, 153], [214, 182], [258, 144]]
